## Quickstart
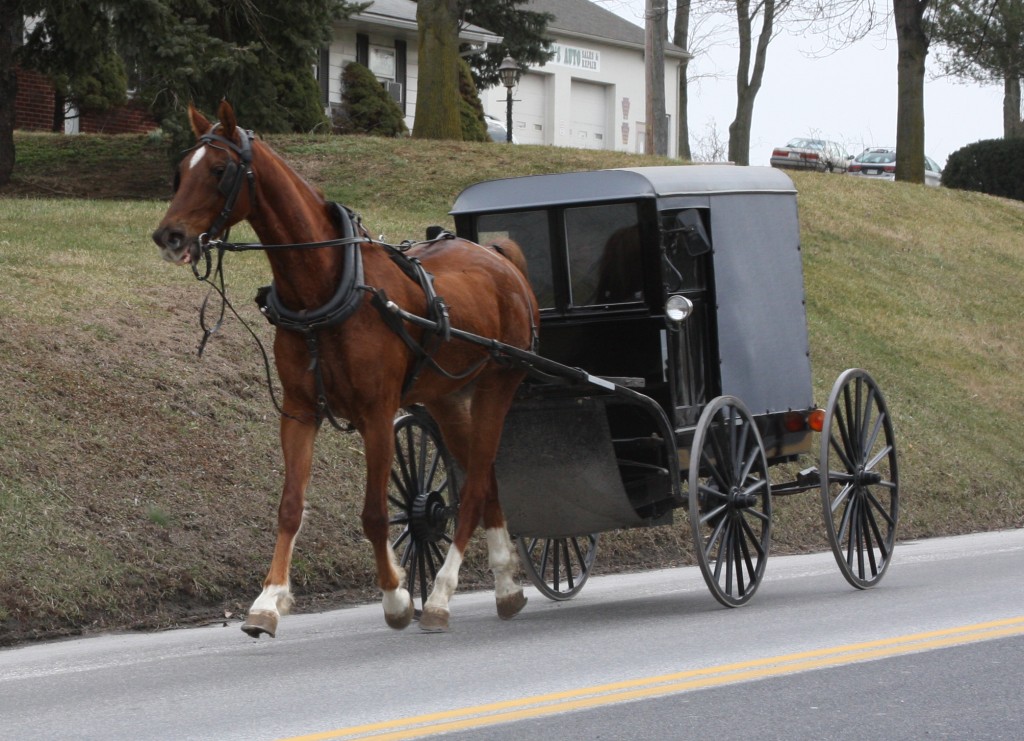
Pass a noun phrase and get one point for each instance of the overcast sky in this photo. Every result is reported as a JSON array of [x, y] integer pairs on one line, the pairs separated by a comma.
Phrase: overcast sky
[[848, 96]]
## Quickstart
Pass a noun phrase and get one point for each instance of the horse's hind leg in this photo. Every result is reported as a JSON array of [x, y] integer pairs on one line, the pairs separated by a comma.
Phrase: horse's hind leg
[[474, 438], [297, 446], [500, 551], [502, 557]]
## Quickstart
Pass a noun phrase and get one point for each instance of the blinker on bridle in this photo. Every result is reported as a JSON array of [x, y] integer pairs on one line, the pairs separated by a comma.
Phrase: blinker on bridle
[[230, 183]]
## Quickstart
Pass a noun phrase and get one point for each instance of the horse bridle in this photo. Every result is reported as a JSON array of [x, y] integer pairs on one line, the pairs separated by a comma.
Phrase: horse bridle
[[235, 173]]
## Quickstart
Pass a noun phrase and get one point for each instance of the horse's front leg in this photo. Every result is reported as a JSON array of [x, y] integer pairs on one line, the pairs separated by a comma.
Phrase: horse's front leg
[[379, 442], [297, 439]]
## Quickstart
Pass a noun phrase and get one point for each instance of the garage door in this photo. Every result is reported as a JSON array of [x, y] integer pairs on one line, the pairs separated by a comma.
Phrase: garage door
[[528, 112], [588, 115]]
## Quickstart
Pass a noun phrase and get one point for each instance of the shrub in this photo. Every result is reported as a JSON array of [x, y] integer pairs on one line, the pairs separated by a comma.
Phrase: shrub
[[992, 166], [471, 112], [366, 106]]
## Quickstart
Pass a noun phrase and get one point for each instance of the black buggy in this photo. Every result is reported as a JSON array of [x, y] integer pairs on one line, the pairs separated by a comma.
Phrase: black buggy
[[673, 373]]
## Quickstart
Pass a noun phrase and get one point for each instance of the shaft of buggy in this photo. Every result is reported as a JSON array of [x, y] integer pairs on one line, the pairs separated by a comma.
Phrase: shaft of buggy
[[546, 367]]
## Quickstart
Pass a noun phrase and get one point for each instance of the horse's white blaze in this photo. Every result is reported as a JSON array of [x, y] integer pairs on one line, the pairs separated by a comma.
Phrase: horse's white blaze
[[503, 562], [275, 598], [446, 581], [197, 157]]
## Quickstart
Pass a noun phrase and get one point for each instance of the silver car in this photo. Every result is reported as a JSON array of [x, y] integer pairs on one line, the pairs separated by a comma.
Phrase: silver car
[[879, 163], [811, 154]]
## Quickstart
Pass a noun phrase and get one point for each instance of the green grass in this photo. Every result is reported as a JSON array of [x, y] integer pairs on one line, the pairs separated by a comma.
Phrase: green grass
[[139, 484]]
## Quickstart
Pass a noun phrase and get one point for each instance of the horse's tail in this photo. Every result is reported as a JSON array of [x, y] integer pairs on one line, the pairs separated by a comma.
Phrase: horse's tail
[[513, 252]]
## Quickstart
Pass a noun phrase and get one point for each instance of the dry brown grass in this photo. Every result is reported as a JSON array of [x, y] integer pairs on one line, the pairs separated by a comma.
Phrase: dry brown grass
[[138, 484]]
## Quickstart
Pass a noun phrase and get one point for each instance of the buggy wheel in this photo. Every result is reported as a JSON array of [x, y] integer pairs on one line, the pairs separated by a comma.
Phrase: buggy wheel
[[730, 501], [558, 567], [423, 501], [860, 480]]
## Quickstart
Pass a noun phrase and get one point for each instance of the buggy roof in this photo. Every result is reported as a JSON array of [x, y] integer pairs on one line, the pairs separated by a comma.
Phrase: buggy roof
[[543, 191]]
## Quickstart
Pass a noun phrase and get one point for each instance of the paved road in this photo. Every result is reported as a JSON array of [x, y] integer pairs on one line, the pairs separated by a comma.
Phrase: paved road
[[934, 652]]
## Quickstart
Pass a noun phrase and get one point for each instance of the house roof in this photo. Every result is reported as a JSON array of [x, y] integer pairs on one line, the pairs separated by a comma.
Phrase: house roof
[[584, 19], [402, 14]]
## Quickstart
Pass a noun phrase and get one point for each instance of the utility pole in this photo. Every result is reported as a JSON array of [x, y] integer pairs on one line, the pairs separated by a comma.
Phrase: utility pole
[[655, 28]]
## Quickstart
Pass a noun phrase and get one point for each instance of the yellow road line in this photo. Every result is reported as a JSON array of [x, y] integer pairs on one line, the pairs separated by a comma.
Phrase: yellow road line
[[665, 684]]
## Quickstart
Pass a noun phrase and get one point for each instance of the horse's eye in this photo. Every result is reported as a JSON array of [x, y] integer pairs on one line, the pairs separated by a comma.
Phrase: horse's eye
[[218, 172]]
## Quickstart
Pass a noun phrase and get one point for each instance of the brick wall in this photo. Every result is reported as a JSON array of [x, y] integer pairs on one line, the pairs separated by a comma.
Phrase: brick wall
[[34, 111], [132, 118], [33, 106]]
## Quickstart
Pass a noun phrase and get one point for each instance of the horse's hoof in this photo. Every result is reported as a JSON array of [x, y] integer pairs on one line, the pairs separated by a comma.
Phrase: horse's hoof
[[434, 620], [401, 621], [509, 607], [259, 622]]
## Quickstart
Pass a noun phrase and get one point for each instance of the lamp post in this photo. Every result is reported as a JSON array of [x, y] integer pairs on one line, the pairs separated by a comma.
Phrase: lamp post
[[509, 72]]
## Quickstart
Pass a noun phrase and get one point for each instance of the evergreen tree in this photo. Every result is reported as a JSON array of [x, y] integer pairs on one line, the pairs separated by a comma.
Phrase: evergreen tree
[[523, 33], [367, 107], [257, 52], [471, 111]]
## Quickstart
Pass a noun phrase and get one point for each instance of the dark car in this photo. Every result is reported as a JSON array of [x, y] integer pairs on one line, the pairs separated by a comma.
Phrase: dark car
[[880, 163]]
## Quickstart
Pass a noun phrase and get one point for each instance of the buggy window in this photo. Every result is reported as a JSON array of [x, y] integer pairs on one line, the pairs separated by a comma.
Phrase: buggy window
[[604, 257], [686, 240], [529, 229]]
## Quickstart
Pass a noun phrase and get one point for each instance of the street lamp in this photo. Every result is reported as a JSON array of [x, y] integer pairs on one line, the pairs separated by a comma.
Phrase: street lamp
[[509, 73]]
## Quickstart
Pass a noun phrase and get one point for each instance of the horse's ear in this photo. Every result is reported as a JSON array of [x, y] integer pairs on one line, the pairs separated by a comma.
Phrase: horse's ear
[[198, 121], [226, 114]]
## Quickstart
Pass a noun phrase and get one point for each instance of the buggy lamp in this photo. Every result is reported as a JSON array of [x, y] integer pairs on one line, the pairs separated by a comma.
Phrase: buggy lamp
[[816, 420], [678, 308], [800, 421]]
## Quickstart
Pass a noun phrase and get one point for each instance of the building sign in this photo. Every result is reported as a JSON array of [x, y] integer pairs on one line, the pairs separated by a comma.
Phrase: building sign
[[576, 57]]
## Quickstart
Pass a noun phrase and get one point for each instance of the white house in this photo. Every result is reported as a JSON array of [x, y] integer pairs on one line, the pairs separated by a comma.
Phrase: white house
[[591, 95], [384, 37]]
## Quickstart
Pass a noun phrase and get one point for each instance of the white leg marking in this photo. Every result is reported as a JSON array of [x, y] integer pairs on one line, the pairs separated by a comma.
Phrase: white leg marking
[[396, 601], [503, 561], [276, 598], [446, 582], [196, 158]]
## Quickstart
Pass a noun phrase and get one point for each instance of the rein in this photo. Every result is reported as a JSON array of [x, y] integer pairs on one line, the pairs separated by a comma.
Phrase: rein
[[347, 297], [346, 300]]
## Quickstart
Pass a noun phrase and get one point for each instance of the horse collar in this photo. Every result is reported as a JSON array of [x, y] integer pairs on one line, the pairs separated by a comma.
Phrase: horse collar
[[342, 304]]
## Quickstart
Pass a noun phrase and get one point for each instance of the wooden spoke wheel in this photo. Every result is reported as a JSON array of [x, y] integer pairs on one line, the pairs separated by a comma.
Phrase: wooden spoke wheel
[[558, 567], [860, 479], [424, 501], [730, 501]]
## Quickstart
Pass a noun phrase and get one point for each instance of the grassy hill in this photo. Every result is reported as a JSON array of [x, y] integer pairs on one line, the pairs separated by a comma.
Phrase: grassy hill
[[139, 484]]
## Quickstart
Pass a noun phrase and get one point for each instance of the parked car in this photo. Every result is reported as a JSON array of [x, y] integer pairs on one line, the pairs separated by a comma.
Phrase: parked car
[[811, 154], [880, 163], [496, 129]]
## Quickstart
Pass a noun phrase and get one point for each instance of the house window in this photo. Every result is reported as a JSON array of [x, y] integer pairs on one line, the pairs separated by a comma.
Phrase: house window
[[382, 62]]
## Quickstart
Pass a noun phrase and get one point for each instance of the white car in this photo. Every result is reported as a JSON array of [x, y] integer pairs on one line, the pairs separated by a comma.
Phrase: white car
[[496, 129], [879, 163], [811, 154]]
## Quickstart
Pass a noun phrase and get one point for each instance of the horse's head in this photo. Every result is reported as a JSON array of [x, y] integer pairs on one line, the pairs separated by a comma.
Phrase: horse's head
[[213, 187]]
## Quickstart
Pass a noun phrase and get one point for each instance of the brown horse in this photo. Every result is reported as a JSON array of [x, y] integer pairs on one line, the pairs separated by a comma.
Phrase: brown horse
[[366, 365]]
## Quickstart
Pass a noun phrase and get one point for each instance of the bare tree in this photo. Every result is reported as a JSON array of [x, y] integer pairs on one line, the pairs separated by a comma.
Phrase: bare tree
[[655, 31], [437, 101], [681, 38], [912, 43], [711, 146]]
